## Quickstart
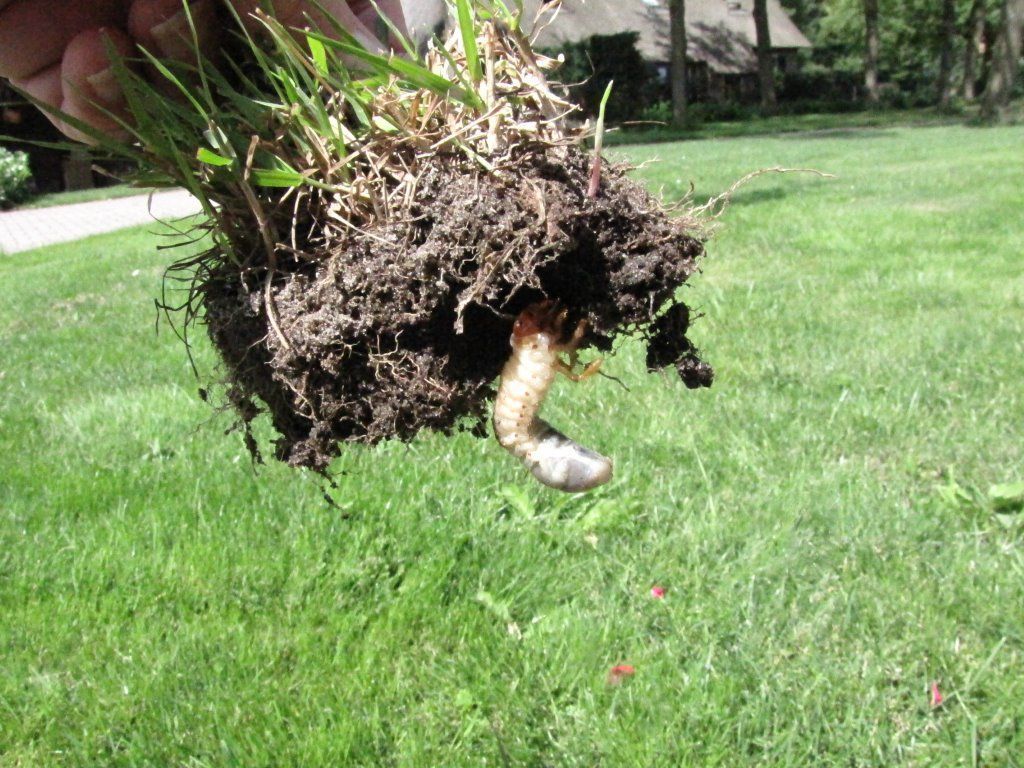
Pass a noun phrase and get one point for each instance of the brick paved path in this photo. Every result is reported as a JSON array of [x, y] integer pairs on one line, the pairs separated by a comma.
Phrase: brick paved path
[[36, 227]]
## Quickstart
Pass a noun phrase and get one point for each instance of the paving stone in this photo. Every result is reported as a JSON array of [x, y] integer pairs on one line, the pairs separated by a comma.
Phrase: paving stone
[[38, 227]]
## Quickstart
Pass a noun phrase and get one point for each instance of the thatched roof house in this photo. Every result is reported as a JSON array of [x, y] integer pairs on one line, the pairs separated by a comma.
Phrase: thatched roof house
[[721, 40]]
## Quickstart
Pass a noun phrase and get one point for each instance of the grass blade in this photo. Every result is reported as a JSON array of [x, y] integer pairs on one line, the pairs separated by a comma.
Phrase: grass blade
[[595, 171], [467, 29]]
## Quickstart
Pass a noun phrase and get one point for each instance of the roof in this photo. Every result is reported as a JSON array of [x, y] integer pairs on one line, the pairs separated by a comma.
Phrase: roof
[[719, 32]]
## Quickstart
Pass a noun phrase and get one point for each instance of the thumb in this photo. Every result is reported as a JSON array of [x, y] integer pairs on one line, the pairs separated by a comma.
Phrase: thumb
[[163, 28], [326, 14], [89, 87]]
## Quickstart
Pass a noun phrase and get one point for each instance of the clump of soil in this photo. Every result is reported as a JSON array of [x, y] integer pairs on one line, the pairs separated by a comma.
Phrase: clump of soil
[[404, 325], [379, 222]]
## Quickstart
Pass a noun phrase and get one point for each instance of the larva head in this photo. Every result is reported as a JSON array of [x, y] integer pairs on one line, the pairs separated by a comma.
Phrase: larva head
[[542, 317]]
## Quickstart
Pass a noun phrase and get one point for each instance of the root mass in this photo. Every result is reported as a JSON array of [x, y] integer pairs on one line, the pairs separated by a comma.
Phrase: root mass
[[405, 325]]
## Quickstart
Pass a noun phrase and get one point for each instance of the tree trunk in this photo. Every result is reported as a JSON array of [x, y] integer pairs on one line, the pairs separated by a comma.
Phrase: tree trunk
[[871, 52], [765, 63], [975, 36], [946, 53], [1005, 61], [677, 68]]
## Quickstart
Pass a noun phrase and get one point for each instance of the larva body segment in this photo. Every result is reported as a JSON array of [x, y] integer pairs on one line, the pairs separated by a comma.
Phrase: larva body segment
[[552, 458]]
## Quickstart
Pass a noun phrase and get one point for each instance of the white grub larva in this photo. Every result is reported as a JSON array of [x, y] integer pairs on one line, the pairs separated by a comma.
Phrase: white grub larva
[[554, 459]]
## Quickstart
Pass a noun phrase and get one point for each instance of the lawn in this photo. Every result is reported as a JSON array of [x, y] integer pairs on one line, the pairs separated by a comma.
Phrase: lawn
[[819, 519], [50, 199], [756, 125]]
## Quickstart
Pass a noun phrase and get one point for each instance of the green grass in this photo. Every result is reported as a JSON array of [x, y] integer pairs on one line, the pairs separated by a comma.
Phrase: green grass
[[51, 199], [833, 122], [818, 517]]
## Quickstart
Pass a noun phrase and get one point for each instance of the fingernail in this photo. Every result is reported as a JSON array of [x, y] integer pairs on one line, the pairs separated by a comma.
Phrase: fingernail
[[176, 37], [173, 36], [104, 84]]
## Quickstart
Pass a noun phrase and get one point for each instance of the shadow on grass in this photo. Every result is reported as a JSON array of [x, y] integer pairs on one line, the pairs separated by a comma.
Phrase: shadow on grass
[[864, 132], [749, 195], [823, 125]]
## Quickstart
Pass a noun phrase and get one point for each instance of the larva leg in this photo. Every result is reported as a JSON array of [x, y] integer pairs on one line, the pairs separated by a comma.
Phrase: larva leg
[[577, 334], [570, 348], [572, 345], [568, 369]]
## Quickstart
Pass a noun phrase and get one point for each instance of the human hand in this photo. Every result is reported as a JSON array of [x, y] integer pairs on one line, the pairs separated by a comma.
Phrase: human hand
[[57, 50]]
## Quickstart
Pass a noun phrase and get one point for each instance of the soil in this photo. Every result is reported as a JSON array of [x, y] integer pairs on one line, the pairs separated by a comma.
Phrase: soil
[[406, 325]]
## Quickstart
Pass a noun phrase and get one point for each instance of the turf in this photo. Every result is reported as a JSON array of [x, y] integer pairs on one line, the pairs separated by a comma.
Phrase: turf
[[829, 123], [818, 518], [640, 132], [51, 199]]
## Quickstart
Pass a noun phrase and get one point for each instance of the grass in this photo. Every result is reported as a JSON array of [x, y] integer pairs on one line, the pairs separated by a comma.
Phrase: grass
[[818, 518], [50, 199], [813, 121]]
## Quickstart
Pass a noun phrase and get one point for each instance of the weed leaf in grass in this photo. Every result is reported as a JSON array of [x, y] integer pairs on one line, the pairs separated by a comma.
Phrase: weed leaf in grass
[[1007, 497], [209, 157]]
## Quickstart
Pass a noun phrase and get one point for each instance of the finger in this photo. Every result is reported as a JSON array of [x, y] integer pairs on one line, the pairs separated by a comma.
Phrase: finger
[[297, 13], [90, 87], [162, 27], [342, 13], [371, 18], [45, 87], [33, 35], [393, 10]]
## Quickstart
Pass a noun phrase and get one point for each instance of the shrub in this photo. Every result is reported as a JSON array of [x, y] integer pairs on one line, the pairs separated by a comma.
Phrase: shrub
[[15, 178], [701, 112], [658, 112], [591, 63], [812, 82]]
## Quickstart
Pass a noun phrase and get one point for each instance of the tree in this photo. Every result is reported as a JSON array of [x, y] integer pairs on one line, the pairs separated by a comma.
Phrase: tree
[[871, 51], [975, 37], [913, 54], [677, 65], [1005, 60], [948, 33], [765, 63]]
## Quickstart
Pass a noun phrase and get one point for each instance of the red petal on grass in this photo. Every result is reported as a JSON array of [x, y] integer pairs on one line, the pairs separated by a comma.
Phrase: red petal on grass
[[657, 592], [936, 695], [620, 673]]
